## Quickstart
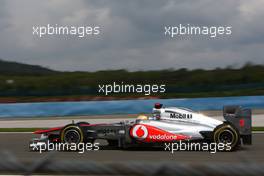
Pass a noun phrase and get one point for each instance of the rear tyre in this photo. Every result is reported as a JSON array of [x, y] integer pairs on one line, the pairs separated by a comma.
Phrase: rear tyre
[[227, 135]]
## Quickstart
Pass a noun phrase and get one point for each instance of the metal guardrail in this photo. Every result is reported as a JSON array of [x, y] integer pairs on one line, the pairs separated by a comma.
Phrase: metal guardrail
[[9, 164]]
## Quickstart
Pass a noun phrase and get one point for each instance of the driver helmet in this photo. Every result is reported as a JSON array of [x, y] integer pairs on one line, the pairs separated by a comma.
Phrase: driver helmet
[[142, 117]]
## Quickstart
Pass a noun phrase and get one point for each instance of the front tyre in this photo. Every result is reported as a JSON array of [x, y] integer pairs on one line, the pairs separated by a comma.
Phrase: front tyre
[[226, 134], [72, 134]]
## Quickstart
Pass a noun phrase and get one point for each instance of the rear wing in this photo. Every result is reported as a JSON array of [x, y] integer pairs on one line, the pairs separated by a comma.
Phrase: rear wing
[[240, 118]]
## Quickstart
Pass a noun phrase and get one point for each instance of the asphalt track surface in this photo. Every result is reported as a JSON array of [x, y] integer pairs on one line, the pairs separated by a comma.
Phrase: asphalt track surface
[[17, 144]]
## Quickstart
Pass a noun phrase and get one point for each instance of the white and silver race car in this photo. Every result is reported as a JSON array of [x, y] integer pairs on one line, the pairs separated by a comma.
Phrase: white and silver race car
[[165, 125]]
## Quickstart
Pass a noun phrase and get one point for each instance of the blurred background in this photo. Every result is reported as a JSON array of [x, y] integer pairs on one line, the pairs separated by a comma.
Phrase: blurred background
[[27, 83]]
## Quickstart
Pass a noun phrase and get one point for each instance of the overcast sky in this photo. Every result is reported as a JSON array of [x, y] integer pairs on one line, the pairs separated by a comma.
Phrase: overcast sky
[[132, 34]]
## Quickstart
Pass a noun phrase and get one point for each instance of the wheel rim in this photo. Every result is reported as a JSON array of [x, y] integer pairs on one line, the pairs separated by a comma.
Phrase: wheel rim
[[72, 136], [226, 136]]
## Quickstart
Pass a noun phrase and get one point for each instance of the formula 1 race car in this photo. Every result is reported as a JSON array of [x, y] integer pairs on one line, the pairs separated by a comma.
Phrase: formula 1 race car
[[165, 125]]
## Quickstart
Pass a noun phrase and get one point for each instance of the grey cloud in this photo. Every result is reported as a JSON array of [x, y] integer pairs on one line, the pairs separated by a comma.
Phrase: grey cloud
[[132, 34]]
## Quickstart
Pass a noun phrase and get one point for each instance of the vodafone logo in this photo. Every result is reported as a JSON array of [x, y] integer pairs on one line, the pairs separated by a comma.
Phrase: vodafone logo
[[140, 131]]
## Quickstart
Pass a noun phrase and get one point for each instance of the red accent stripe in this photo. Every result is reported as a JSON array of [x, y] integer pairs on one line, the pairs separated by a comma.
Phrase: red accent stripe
[[59, 128], [47, 130], [241, 122]]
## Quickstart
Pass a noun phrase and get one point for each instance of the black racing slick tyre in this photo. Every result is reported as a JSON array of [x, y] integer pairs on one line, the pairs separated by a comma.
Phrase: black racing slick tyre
[[227, 136], [72, 134]]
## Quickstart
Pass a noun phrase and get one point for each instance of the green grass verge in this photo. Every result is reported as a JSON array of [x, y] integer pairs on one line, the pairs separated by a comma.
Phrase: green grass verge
[[34, 129], [258, 128], [19, 129]]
